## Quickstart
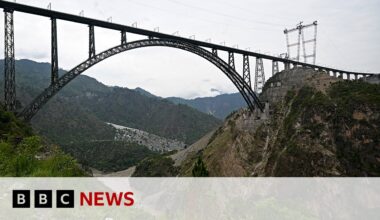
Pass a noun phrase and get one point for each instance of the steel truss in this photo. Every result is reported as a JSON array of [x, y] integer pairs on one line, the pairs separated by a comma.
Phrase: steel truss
[[243, 87], [274, 67], [231, 60], [246, 70], [54, 51], [91, 50], [259, 76], [9, 62]]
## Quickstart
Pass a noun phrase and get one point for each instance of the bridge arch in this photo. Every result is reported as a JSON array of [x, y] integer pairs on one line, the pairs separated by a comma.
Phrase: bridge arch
[[243, 87]]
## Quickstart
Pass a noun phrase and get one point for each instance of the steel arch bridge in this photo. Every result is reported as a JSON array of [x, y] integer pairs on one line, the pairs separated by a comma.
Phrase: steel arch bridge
[[206, 50], [245, 89]]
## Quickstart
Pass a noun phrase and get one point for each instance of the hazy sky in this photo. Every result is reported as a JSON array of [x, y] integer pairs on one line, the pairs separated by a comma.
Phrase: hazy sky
[[348, 38]]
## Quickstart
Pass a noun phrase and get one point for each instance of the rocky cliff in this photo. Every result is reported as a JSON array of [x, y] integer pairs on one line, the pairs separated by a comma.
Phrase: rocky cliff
[[314, 125]]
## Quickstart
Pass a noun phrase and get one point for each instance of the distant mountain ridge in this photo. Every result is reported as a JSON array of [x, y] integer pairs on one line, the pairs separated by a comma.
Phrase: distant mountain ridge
[[79, 111], [219, 106]]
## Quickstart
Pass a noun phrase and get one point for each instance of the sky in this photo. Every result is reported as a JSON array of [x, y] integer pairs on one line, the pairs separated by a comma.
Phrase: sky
[[347, 38]]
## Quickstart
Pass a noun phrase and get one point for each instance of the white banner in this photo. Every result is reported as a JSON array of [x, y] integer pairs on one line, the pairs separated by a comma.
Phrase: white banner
[[190, 198]]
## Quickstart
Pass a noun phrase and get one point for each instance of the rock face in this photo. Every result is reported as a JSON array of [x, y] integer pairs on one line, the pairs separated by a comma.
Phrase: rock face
[[316, 125], [153, 142], [277, 87]]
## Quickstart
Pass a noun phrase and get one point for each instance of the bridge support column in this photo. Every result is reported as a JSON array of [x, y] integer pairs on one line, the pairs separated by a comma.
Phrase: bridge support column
[[356, 77], [348, 76], [123, 37], [54, 51], [215, 52], [334, 73], [91, 51], [9, 62], [287, 66], [231, 60], [259, 76], [274, 67], [246, 70]]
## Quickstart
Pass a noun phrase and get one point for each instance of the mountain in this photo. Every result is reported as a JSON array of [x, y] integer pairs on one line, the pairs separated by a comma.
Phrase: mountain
[[219, 106], [145, 93], [79, 112], [314, 125]]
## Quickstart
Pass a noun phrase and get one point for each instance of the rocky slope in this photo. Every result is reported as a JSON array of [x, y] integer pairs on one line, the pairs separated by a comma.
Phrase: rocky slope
[[153, 142], [316, 125]]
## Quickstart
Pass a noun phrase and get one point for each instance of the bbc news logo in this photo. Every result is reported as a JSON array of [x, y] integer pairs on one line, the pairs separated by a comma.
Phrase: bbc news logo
[[66, 199]]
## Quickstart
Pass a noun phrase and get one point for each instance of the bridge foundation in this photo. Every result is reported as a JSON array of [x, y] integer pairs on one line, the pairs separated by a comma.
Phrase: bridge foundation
[[9, 62]]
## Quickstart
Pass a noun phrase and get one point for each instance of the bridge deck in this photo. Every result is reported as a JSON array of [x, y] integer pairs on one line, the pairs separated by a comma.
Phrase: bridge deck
[[119, 27]]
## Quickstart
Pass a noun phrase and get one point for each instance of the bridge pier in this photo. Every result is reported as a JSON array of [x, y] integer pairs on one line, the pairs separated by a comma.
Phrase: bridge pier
[[286, 66], [231, 60], [348, 76], [246, 70], [356, 77], [274, 67], [123, 37], [91, 51], [215, 52], [54, 51], [9, 62], [259, 76]]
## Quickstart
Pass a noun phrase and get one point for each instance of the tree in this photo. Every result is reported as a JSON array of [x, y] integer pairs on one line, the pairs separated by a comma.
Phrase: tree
[[199, 169]]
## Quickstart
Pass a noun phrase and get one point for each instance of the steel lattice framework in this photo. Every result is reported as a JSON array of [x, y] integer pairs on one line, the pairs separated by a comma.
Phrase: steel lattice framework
[[54, 51], [243, 87], [231, 60], [274, 67], [207, 50], [9, 62], [259, 76], [246, 70]]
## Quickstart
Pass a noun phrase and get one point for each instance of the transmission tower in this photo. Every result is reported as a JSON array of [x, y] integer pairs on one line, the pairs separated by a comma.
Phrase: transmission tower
[[259, 76], [301, 41]]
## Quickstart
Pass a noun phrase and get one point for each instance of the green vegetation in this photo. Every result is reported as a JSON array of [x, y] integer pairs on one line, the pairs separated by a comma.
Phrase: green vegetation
[[156, 166], [22, 154], [356, 139], [199, 169], [108, 156]]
